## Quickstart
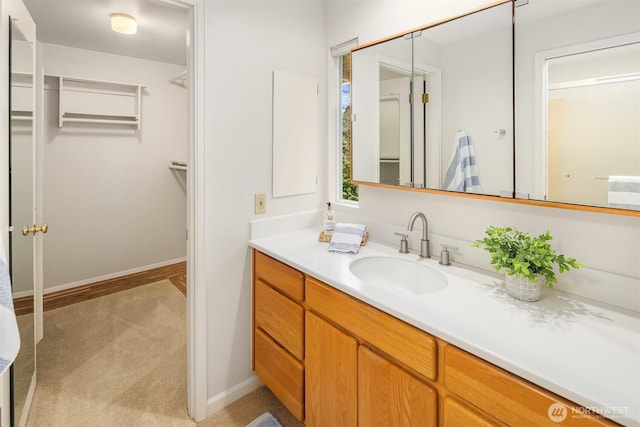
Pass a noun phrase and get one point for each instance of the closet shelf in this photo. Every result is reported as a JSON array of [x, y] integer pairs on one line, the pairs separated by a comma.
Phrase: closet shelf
[[100, 102], [105, 120], [178, 165], [21, 118]]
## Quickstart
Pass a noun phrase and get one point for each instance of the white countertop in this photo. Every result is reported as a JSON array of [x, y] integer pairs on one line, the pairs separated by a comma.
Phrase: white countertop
[[583, 350]]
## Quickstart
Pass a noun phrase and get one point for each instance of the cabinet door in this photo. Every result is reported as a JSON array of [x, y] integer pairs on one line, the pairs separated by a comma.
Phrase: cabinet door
[[389, 396], [330, 375]]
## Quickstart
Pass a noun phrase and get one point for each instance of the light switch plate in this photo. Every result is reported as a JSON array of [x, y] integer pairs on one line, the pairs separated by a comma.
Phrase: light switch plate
[[260, 206]]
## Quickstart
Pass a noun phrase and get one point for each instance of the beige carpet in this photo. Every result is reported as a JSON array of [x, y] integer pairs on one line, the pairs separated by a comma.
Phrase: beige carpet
[[120, 360]]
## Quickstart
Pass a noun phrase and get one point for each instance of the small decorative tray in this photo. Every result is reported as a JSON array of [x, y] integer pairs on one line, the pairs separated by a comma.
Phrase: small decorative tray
[[326, 238]]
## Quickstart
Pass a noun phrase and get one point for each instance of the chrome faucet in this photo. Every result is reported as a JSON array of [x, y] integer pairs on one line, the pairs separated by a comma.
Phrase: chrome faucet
[[424, 242]]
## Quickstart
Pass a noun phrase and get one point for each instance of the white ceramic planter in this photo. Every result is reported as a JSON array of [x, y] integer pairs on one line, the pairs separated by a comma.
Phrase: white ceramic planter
[[523, 288]]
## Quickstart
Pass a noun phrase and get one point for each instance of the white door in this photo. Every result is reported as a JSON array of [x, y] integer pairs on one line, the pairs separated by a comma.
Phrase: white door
[[22, 253]]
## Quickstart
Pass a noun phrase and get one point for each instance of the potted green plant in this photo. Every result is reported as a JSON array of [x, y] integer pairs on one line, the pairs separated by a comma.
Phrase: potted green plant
[[528, 262]]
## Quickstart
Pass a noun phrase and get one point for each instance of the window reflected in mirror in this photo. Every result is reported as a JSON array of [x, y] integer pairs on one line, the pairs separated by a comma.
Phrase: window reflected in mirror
[[348, 190]]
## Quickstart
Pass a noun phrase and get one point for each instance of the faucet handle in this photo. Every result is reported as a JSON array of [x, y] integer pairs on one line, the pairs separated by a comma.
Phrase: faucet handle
[[444, 253], [404, 245]]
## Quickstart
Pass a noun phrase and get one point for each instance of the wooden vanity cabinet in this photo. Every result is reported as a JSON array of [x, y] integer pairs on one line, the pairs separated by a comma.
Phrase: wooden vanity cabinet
[[334, 360], [278, 330]]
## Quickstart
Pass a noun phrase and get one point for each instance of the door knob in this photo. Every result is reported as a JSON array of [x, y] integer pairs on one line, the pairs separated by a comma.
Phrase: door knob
[[34, 229]]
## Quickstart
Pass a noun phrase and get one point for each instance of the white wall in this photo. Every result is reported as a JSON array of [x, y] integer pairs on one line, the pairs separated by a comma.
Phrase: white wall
[[608, 245], [245, 42], [110, 200]]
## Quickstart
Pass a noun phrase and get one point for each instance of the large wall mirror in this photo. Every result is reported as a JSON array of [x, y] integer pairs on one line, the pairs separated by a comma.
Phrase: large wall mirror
[[578, 102], [21, 196], [433, 108]]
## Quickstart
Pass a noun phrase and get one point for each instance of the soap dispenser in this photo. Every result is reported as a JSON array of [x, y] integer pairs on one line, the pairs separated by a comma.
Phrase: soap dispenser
[[329, 220]]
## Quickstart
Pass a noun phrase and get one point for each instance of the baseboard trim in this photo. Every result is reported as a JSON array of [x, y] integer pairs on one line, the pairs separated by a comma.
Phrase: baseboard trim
[[175, 272], [229, 396], [110, 276]]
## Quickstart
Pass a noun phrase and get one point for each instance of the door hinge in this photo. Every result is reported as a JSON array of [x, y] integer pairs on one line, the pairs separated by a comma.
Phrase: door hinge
[[410, 99], [425, 98]]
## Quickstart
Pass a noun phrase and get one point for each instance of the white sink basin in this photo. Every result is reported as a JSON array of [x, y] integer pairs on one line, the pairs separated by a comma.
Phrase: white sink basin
[[397, 273]]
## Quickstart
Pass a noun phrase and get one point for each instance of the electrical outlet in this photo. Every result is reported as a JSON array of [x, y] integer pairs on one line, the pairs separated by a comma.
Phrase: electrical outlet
[[260, 204]]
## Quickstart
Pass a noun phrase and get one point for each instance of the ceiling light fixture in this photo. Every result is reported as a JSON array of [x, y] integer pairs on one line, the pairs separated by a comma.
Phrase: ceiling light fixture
[[124, 24]]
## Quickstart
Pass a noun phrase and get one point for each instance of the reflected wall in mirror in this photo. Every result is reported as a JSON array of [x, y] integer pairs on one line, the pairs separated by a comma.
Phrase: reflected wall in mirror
[[434, 108], [578, 102], [21, 250]]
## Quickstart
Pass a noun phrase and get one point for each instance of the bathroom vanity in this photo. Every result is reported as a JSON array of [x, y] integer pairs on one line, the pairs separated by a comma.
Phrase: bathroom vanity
[[339, 351]]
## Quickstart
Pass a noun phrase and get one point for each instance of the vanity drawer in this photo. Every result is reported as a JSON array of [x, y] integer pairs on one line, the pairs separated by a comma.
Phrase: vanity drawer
[[287, 279], [281, 372], [505, 396], [280, 317], [405, 343]]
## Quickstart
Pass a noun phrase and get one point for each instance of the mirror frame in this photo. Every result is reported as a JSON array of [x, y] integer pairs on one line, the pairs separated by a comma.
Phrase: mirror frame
[[513, 199]]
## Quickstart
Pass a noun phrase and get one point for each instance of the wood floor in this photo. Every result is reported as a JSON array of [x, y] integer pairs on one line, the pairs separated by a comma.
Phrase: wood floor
[[176, 273]]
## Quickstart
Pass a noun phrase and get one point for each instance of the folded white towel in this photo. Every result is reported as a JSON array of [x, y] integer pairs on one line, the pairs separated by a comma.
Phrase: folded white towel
[[624, 192], [347, 238], [9, 335]]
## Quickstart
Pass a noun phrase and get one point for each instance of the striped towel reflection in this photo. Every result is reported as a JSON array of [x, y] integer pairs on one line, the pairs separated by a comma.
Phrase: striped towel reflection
[[624, 192], [347, 238], [462, 174]]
